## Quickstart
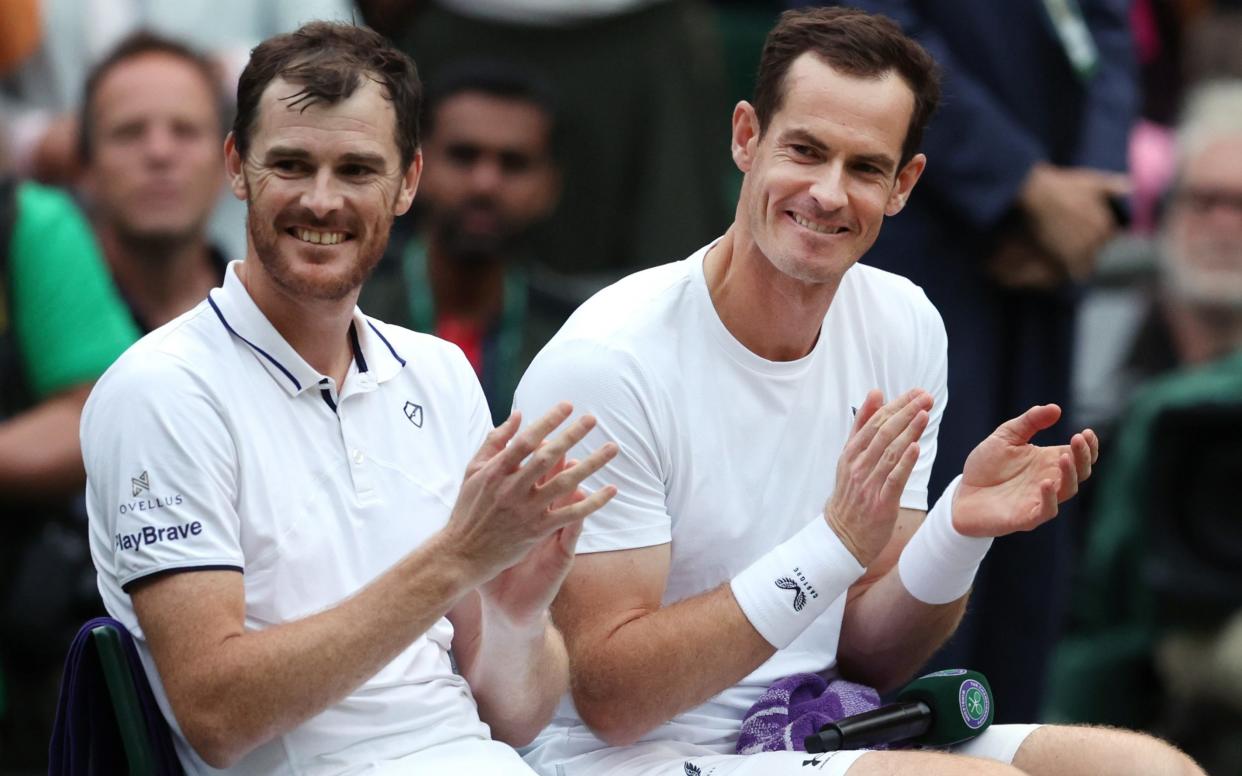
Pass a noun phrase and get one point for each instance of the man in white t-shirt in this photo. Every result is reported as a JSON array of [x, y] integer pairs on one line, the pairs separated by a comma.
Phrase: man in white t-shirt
[[298, 510], [736, 383]]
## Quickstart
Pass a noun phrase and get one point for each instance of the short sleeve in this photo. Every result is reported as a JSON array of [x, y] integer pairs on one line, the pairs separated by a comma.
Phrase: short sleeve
[[931, 354], [608, 384], [161, 468], [69, 320]]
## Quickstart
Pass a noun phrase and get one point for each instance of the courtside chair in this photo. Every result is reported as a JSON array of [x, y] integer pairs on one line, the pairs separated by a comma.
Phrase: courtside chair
[[107, 720]]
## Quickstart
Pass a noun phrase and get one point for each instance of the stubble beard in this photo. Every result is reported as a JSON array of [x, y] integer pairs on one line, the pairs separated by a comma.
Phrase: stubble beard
[[332, 288]]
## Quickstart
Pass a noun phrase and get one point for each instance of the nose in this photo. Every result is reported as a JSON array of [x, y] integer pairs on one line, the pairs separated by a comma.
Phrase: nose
[[159, 145], [486, 175], [828, 190], [322, 197]]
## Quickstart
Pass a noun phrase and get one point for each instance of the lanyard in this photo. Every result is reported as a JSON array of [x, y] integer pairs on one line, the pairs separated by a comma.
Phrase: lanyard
[[1075, 38], [504, 339]]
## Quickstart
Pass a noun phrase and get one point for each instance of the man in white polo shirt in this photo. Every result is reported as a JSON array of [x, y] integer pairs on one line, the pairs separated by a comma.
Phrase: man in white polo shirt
[[298, 510], [736, 382]]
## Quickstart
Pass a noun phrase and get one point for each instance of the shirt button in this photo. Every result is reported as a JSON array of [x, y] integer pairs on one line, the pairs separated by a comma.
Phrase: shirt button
[[359, 457]]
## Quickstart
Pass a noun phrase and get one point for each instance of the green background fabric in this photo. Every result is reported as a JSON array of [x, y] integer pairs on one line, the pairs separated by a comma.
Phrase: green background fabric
[[1103, 671], [68, 320]]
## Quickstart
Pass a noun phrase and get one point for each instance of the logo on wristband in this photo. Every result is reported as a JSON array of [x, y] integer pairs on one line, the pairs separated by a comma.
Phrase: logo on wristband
[[801, 588]]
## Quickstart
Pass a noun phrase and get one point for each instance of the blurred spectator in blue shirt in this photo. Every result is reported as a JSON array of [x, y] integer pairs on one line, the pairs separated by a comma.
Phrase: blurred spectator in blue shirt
[[1039, 98], [490, 179]]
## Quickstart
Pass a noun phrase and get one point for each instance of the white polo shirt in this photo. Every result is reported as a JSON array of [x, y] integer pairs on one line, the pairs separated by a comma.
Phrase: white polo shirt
[[211, 444]]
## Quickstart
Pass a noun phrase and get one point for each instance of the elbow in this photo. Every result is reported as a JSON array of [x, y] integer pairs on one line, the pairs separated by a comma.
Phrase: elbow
[[611, 721], [517, 736], [218, 743]]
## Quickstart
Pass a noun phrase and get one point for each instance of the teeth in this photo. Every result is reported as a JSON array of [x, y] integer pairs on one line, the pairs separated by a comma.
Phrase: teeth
[[320, 238], [814, 227]]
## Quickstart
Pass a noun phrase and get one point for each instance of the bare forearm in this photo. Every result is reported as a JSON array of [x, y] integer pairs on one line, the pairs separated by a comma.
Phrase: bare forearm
[[661, 663], [887, 634], [40, 456], [254, 685], [517, 677]]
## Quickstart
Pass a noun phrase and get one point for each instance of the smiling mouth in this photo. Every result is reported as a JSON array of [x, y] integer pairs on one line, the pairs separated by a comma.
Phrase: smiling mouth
[[316, 237], [814, 227]]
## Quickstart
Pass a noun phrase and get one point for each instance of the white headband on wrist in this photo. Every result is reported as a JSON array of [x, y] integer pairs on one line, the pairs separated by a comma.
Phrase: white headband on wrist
[[783, 591], [938, 564]]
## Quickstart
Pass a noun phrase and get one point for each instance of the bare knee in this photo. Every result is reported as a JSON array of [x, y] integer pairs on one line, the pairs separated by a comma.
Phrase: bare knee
[[1091, 751], [928, 764]]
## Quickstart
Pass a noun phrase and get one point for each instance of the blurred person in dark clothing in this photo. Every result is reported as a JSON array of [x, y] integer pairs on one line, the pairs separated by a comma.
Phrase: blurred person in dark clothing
[[1121, 663], [61, 325], [152, 134], [640, 84], [1039, 97], [490, 178]]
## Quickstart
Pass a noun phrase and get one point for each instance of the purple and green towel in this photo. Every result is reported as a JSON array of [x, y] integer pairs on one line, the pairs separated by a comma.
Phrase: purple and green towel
[[798, 706]]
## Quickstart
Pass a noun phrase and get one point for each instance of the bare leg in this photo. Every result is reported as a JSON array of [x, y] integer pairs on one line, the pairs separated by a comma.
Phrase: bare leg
[[928, 764], [1055, 750]]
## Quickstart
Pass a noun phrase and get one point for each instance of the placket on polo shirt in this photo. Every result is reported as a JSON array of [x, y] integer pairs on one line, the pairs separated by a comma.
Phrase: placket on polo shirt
[[374, 362]]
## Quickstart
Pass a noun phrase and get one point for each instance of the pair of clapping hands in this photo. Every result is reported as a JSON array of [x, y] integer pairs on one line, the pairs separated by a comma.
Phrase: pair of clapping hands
[[520, 509]]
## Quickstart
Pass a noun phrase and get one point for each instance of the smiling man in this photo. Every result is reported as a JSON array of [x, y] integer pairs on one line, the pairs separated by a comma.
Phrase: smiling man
[[298, 510], [152, 126], [735, 383]]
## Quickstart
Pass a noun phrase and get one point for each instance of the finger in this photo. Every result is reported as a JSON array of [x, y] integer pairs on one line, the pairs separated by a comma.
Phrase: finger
[[569, 536], [861, 442], [567, 481], [1093, 441], [1069, 477], [873, 401], [1114, 183], [580, 510], [1047, 508], [1019, 430], [880, 451], [895, 484], [556, 468], [1082, 456], [541, 463], [496, 440], [892, 454], [528, 440]]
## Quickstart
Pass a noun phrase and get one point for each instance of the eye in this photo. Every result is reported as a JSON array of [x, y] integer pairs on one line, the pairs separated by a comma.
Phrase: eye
[[289, 166], [355, 170], [514, 163], [804, 151]]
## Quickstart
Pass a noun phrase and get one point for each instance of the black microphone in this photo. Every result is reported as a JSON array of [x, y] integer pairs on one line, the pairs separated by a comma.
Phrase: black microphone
[[939, 709]]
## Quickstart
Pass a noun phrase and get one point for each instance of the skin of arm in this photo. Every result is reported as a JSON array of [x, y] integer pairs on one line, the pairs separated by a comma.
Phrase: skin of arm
[[886, 633], [232, 690], [40, 457], [1008, 485], [635, 664], [516, 671]]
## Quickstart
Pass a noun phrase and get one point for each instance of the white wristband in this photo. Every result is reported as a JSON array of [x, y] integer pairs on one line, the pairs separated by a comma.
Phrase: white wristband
[[783, 591], [938, 564]]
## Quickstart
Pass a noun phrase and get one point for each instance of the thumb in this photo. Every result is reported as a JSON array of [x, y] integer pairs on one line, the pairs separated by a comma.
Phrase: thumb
[[496, 440], [1019, 430], [1113, 183], [569, 537]]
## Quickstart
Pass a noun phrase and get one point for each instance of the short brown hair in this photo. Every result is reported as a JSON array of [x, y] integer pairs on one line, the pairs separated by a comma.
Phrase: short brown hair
[[142, 43], [329, 60], [855, 43]]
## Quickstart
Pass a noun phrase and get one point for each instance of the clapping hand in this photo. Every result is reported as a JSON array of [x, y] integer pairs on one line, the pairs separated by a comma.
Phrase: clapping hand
[[1009, 484]]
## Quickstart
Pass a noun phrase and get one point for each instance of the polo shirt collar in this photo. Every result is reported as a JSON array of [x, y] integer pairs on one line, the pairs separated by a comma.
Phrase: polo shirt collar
[[237, 312]]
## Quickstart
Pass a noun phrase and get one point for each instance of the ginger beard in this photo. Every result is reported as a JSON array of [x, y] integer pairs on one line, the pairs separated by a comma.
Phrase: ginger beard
[[306, 270]]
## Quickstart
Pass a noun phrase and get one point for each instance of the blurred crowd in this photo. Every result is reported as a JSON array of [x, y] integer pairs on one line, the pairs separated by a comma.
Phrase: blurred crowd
[[1079, 228]]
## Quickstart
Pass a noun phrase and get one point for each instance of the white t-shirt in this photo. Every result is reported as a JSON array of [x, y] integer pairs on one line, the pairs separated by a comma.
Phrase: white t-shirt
[[212, 444], [722, 452]]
